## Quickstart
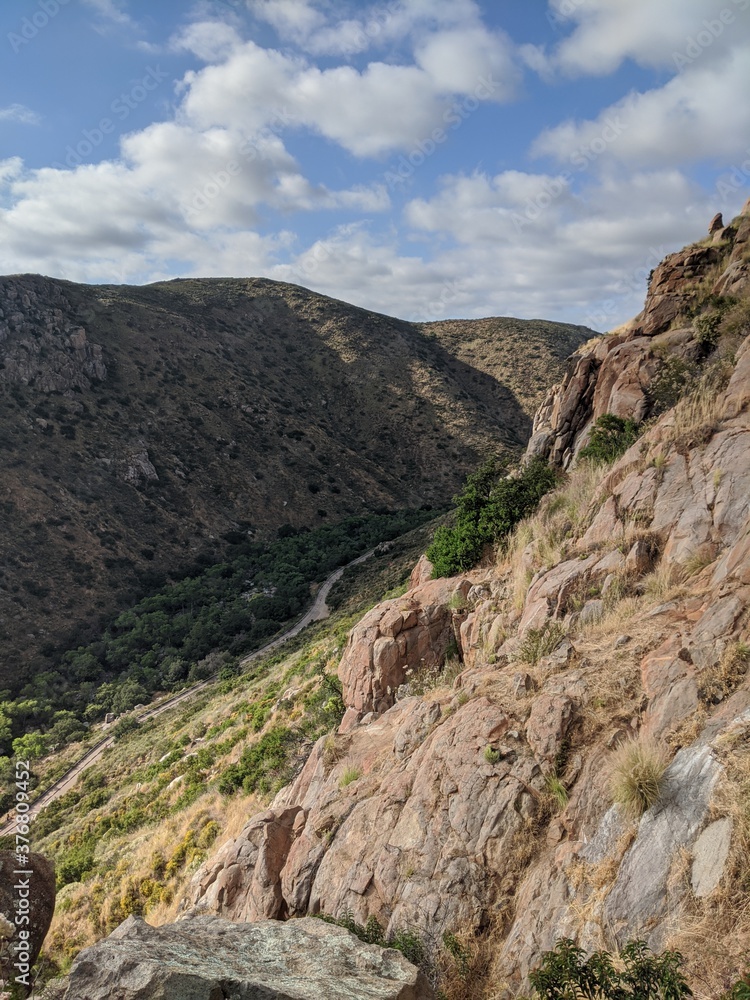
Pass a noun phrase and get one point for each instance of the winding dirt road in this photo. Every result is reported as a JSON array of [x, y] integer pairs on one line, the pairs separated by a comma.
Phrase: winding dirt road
[[317, 612]]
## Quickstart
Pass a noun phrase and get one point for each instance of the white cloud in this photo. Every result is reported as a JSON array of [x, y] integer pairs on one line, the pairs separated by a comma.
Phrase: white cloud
[[606, 32], [386, 107], [348, 28], [701, 114], [458, 61], [19, 113], [110, 10], [211, 41]]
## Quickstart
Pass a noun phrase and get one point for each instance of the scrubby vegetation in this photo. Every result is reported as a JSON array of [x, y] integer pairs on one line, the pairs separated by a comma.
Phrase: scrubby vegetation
[[192, 628], [611, 437], [490, 505], [636, 974], [638, 775]]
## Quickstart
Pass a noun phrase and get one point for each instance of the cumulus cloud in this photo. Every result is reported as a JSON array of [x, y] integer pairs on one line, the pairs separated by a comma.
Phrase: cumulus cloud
[[606, 32], [696, 115], [350, 28], [388, 107]]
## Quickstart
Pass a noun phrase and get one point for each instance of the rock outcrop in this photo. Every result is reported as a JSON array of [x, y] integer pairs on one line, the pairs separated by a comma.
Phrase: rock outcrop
[[397, 638], [487, 806], [205, 958], [614, 375], [27, 902], [45, 346]]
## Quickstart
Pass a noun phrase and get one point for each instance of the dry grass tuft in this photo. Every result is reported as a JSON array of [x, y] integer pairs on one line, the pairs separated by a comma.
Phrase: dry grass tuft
[[719, 681], [638, 767], [547, 538]]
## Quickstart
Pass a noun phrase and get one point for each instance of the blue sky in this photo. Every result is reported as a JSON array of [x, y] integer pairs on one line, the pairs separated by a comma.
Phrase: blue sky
[[425, 158]]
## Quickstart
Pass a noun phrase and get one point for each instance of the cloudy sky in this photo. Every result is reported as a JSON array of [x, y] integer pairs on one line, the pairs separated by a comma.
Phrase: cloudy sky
[[425, 158]]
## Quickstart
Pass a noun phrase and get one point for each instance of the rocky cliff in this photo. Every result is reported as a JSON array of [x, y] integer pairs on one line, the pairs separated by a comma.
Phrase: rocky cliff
[[473, 786], [616, 373]]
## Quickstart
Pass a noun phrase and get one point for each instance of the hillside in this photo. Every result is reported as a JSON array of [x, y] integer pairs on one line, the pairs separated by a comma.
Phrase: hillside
[[145, 428], [555, 743]]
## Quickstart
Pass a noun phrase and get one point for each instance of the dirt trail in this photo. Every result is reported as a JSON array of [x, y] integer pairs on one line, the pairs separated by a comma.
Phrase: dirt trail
[[317, 612]]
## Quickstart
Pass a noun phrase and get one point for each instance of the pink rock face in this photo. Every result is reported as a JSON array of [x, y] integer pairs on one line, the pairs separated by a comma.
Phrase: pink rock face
[[410, 633], [672, 286], [412, 842]]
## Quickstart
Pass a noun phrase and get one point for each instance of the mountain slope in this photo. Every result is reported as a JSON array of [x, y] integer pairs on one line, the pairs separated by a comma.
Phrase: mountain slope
[[140, 426]]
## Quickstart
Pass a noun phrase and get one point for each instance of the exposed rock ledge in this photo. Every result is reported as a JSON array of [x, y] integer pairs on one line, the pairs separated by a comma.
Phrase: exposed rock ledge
[[206, 958]]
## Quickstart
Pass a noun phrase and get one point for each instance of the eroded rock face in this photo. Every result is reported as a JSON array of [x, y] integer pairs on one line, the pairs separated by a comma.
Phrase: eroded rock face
[[410, 842], [19, 912], [614, 375], [410, 633], [43, 344], [206, 958]]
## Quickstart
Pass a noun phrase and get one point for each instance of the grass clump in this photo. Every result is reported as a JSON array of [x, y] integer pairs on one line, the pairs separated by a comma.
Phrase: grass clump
[[719, 681], [610, 438], [350, 775], [540, 642], [638, 767], [556, 790]]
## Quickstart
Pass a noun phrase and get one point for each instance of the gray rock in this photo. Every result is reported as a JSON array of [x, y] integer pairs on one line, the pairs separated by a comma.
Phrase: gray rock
[[639, 900], [710, 856], [208, 958], [591, 612], [621, 641], [38, 906]]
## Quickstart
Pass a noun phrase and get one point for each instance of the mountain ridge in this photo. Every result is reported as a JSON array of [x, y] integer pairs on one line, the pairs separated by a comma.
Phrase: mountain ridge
[[141, 424]]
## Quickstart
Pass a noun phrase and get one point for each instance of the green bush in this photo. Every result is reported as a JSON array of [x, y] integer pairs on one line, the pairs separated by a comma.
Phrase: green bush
[[610, 438], [490, 505], [408, 943], [565, 974], [674, 379]]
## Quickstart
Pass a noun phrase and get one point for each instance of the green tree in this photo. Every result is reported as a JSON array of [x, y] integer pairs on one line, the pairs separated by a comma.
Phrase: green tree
[[29, 747], [566, 974], [490, 505]]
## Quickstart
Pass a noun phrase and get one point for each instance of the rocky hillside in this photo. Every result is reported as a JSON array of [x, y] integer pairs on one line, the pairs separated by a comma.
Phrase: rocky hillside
[[556, 743], [504, 805], [142, 427]]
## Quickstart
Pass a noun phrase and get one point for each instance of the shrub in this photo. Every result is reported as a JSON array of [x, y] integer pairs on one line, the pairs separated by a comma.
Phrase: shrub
[[610, 438], [566, 974], [672, 381], [637, 775], [706, 328], [490, 505], [540, 642], [408, 943]]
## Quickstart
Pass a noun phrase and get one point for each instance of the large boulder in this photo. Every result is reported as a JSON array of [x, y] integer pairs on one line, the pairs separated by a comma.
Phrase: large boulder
[[206, 958], [27, 902], [396, 639]]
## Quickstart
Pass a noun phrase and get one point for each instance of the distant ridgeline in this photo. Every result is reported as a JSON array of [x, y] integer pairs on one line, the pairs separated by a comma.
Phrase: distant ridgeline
[[145, 428]]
